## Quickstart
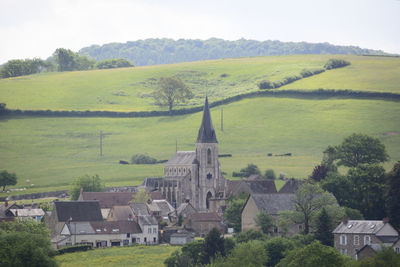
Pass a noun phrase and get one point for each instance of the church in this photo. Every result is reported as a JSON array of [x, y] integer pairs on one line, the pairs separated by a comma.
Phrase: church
[[194, 176]]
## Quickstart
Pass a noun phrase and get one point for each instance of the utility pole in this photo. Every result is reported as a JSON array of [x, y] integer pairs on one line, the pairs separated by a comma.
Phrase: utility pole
[[101, 143], [222, 119]]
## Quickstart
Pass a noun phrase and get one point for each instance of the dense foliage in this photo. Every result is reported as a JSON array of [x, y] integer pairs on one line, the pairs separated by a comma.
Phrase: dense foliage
[[19, 67], [233, 212], [88, 184], [67, 60], [114, 63], [392, 195], [247, 171], [25, 243], [165, 51], [143, 159], [334, 63]]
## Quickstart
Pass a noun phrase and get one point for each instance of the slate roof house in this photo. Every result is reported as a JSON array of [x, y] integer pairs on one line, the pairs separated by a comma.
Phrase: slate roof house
[[352, 235], [5, 211], [273, 204], [202, 223], [254, 186], [290, 187]]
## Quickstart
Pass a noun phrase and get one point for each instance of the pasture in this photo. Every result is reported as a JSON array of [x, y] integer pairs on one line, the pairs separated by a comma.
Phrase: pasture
[[139, 256], [129, 89], [51, 152]]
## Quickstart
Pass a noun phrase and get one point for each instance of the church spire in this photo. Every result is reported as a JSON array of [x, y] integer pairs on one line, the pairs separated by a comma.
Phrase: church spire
[[206, 131]]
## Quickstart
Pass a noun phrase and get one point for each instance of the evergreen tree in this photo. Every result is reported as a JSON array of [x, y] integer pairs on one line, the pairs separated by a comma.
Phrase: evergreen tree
[[393, 195], [324, 228], [213, 246]]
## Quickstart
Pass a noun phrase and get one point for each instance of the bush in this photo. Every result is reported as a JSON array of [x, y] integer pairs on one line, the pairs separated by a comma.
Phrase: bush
[[142, 159], [334, 63], [114, 63], [123, 162], [76, 248], [265, 84], [270, 174]]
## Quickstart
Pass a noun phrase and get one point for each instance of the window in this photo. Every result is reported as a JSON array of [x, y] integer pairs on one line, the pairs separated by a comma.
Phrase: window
[[155, 240], [149, 230], [128, 235], [367, 240], [154, 230], [209, 156], [397, 249], [356, 240], [126, 242], [275, 229], [343, 251], [138, 239], [343, 240]]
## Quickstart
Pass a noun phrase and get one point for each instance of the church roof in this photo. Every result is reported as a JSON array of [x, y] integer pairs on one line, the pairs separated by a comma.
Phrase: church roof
[[182, 158], [206, 131]]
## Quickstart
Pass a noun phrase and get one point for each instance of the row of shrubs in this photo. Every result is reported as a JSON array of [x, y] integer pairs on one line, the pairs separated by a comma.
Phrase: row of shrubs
[[330, 64], [76, 248], [319, 93]]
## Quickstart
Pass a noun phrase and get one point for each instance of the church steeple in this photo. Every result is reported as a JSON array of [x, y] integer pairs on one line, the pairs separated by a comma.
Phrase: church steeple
[[206, 131]]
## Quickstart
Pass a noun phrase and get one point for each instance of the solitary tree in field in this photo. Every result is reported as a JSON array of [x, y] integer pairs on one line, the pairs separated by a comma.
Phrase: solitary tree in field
[[7, 178], [171, 90]]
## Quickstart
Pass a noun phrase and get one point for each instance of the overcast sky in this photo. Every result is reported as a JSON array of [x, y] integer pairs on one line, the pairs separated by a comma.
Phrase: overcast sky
[[35, 28]]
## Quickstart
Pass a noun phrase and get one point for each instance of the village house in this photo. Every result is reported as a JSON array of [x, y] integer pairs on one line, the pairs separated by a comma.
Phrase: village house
[[272, 204], [350, 236], [202, 223], [28, 214], [181, 237], [184, 211], [5, 211], [256, 185]]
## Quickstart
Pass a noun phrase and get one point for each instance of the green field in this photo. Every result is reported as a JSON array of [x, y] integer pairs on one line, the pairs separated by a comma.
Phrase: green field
[[145, 256], [128, 89], [51, 152]]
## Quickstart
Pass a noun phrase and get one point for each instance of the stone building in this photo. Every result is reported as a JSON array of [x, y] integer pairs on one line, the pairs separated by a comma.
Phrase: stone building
[[194, 176], [352, 235]]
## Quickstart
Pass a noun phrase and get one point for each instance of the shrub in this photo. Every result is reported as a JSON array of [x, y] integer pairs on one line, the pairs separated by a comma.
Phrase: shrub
[[143, 159], [270, 174], [123, 162], [336, 63], [76, 248], [265, 84]]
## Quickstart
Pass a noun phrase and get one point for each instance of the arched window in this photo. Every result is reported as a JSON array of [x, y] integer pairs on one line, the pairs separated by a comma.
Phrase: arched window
[[209, 195], [209, 156]]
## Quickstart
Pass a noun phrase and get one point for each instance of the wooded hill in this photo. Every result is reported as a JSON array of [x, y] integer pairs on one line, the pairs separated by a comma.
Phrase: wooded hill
[[165, 51]]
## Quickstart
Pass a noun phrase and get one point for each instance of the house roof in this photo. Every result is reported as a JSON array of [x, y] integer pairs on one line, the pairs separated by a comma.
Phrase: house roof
[[263, 186], [139, 209], [206, 132], [115, 227], [182, 158], [27, 212], [151, 181], [108, 199], [359, 227], [183, 206], [183, 233], [147, 220], [121, 213], [206, 217], [156, 195], [273, 203], [373, 247], [80, 228], [290, 187], [164, 206], [88, 210], [232, 185]]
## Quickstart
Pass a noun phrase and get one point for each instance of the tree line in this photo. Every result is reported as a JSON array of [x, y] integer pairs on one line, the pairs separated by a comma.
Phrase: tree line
[[61, 60], [166, 51]]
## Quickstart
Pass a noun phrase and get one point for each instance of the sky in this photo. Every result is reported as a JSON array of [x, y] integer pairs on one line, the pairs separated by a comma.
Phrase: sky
[[36, 28]]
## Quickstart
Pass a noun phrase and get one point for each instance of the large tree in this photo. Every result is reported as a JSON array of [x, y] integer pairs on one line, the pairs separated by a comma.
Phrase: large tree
[[213, 246], [308, 201], [233, 212], [7, 178], [393, 195], [359, 149], [265, 222], [88, 184], [171, 90], [324, 228]]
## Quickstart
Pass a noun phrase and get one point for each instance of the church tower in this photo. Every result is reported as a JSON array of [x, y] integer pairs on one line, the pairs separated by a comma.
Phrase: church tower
[[209, 176]]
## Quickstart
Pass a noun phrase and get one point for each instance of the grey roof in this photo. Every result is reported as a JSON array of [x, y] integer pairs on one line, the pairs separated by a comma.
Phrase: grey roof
[[183, 233], [164, 206], [147, 220], [151, 181], [274, 203], [27, 212], [115, 227], [206, 131], [387, 239], [358, 227], [182, 158], [79, 211], [183, 206], [264, 186], [140, 209], [291, 186], [80, 228], [206, 217], [109, 199], [121, 213]]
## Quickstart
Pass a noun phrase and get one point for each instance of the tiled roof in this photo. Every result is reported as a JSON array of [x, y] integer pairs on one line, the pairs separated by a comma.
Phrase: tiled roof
[[206, 132], [115, 227], [139, 209], [151, 181], [359, 227], [291, 186], [147, 220], [156, 195], [164, 206], [263, 186], [205, 217], [80, 228], [182, 158], [88, 210], [109, 199], [27, 212], [120, 213], [274, 203]]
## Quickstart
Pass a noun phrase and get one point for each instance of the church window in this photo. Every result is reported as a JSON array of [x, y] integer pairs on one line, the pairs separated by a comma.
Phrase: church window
[[179, 170], [209, 176], [209, 195], [184, 170], [209, 156]]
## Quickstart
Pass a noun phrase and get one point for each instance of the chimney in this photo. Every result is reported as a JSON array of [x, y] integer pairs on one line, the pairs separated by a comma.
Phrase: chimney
[[385, 220], [345, 220]]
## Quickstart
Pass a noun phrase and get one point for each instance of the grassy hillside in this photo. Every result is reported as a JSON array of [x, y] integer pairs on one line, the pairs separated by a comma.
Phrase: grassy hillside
[[146, 256], [128, 89], [50, 152]]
